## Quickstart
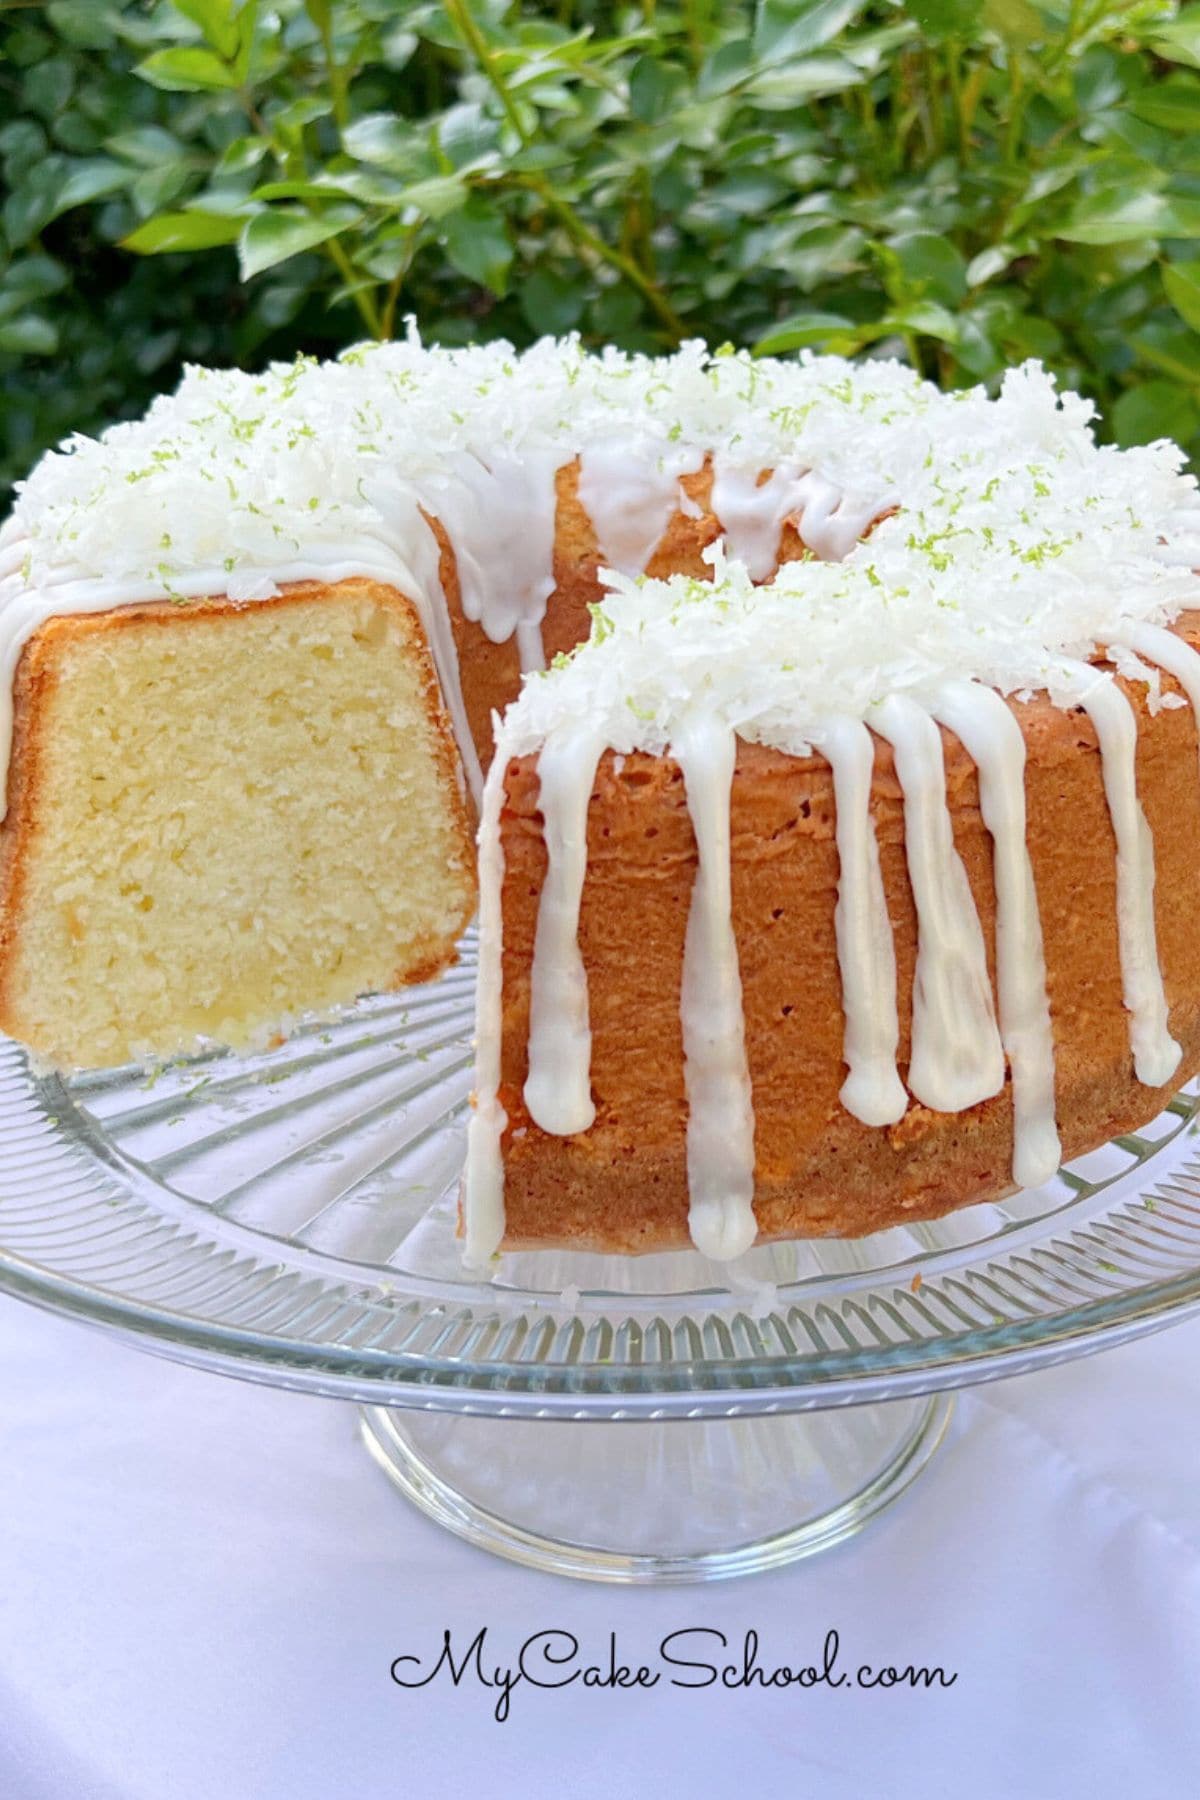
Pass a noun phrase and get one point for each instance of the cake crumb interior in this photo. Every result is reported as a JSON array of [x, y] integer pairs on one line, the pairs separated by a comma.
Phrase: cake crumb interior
[[235, 816]]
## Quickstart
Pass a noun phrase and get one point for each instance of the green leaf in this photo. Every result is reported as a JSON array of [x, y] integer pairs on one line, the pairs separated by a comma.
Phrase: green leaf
[[466, 135], [382, 139], [927, 318], [153, 190], [184, 231], [806, 330], [725, 69], [242, 154], [437, 197], [791, 83], [477, 243], [790, 28], [941, 20], [1157, 409], [1015, 21], [30, 278], [552, 304], [81, 22], [22, 144], [1169, 347], [187, 70], [30, 206], [1180, 40], [147, 145], [217, 20], [929, 265], [994, 260], [653, 87], [273, 236], [1182, 283], [53, 187], [1127, 215], [46, 88], [88, 181], [1173, 104], [29, 335]]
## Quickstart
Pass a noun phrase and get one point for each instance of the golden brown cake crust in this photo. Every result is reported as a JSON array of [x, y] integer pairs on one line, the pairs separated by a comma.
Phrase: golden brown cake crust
[[38, 673], [622, 1186]]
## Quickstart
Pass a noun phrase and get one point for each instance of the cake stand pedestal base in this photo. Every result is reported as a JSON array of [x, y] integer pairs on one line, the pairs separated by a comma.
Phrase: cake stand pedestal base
[[661, 1501]]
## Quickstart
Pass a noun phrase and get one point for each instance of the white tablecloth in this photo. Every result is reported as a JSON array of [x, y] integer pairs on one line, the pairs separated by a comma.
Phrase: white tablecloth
[[203, 1585]]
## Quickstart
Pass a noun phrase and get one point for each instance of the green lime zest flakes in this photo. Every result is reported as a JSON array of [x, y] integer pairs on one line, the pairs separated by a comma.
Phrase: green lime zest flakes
[[602, 625]]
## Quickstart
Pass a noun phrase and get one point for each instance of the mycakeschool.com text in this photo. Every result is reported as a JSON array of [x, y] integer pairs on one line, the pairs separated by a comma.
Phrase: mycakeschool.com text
[[693, 1657]]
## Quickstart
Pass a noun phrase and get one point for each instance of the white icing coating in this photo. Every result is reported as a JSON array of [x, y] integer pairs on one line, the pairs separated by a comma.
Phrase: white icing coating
[[419, 563], [483, 1181], [752, 511], [558, 1088], [993, 740], [1156, 1055], [630, 490], [957, 1059], [1172, 653], [720, 1128], [829, 522], [499, 515], [12, 556], [872, 1090], [754, 506]]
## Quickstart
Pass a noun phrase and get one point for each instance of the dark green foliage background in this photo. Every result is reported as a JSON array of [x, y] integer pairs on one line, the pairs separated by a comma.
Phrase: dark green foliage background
[[962, 182]]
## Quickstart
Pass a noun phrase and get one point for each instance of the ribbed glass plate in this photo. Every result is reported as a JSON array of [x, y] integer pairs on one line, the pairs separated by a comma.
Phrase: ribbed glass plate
[[290, 1216]]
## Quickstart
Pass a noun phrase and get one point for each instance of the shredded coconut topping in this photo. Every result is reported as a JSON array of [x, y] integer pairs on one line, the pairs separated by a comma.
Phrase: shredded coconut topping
[[243, 473], [1020, 548], [1017, 544]]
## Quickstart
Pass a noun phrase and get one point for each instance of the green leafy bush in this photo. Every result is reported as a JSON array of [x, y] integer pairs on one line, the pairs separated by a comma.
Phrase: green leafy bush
[[962, 182]]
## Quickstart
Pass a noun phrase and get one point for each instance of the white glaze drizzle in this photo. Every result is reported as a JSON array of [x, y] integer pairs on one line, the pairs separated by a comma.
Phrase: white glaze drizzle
[[558, 1087], [1156, 1055], [957, 1058], [630, 491], [483, 1181], [12, 557], [500, 519], [993, 740], [1172, 653], [753, 512], [417, 550], [872, 1090], [720, 1128]]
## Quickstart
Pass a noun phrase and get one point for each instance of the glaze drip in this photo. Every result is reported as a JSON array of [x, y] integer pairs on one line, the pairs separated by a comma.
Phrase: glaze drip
[[499, 516], [957, 1059], [1170, 652], [1156, 1055], [483, 1179], [720, 1128], [558, 1087], [992, 738], [630, 491], [753, 507], [872, 1090]]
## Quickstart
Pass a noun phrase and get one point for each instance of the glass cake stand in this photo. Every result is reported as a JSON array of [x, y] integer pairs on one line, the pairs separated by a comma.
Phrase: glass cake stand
[[288, 1217]]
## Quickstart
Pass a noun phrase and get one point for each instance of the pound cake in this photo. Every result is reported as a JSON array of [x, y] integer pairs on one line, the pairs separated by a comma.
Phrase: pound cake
[[831, 740], [834, 903]]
